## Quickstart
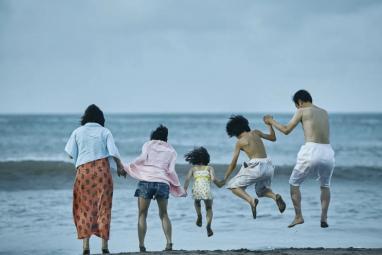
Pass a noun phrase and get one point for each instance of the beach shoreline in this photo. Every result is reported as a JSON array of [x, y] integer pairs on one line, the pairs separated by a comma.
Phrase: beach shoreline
[[286, 251]]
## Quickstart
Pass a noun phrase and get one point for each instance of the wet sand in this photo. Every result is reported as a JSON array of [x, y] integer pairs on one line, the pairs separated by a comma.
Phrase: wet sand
[[290, 251], [36, 199]]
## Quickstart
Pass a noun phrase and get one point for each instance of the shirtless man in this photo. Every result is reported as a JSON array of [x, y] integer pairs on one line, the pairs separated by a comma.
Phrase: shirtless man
[[315, 157], [259, 169]]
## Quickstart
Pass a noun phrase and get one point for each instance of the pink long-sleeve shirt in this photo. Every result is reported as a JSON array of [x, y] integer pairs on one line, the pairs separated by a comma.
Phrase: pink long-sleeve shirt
[[157, 164]]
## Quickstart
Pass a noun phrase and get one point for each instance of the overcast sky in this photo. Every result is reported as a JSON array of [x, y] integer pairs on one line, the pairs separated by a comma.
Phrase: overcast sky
[[189, 56]]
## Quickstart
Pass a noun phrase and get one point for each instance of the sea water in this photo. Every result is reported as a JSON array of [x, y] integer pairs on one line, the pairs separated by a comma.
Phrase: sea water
[[36, 196]]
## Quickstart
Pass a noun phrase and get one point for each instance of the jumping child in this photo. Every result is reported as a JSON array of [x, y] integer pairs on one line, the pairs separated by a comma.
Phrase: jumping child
[[203, 175], [259, 169]]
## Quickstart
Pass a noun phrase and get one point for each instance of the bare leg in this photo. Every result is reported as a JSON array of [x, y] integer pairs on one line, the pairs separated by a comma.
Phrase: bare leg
[[166, 223], [85, 244], [198, 210], [208, 204], [296, 199], [269, 193], [240, 192], [244, 195], [143, 207], [276, 197], [325, 200], [105, 248], [104, 244]]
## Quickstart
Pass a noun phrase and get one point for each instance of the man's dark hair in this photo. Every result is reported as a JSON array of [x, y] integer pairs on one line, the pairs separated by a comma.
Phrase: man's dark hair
[[93, 114], [302, 95], [160, 133], [236, 125], [198, 156]]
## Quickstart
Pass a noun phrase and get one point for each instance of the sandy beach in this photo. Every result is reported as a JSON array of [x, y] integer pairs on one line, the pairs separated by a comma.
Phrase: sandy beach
[[290, 251]]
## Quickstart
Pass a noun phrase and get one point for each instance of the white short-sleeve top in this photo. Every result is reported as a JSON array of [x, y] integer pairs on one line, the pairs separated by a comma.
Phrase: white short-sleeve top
[[91, 142]]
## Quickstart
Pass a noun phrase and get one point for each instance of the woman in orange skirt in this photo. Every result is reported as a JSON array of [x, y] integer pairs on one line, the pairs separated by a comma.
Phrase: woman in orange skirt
[[91, 146]]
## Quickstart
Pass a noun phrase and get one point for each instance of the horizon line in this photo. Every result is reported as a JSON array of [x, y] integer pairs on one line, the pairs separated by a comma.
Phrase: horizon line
[[185, 112]]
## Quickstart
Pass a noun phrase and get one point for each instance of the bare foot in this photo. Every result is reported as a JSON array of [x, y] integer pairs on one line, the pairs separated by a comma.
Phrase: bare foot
[[280, 203], [324, 224], [199, 221], [295, 222], [209, 231], [253, 207], [168, 247]]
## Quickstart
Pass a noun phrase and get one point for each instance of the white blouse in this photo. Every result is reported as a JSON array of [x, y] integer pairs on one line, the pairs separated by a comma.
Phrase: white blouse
[[91, 142]]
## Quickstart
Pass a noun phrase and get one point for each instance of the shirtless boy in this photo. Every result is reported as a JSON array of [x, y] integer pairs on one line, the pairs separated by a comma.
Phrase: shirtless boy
[[259, 169], [315, 157]]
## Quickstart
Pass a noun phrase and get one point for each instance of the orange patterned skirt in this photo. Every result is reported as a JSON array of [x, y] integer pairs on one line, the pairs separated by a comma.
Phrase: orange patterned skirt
[[92, 199]]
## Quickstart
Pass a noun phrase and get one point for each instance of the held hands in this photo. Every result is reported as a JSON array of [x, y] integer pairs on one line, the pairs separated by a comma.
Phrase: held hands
[[268, 119], [121, 171], [220, 184], [185, 190]]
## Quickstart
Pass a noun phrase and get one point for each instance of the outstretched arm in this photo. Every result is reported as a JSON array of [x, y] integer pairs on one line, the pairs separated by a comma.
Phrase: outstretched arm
[[215, 180], [285, 129], [271, 136], [187, 180], [232, 166]]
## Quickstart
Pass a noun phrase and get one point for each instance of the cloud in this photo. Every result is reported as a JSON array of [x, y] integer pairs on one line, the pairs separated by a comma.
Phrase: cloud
[[242, 56]]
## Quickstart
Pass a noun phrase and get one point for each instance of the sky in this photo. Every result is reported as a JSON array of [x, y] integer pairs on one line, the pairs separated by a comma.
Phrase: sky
[[164, 56]]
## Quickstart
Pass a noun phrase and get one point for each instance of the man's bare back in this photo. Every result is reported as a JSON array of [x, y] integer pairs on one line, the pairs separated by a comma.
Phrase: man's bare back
[[315, 122]]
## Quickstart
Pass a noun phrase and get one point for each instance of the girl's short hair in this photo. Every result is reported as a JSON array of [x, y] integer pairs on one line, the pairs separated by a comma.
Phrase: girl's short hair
[[236, 125], [160, 133], [93, 114], [198, 156]]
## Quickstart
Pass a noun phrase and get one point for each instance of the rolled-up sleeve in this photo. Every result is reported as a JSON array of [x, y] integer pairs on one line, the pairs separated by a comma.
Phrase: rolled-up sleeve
[[111, 147], [71, 146]]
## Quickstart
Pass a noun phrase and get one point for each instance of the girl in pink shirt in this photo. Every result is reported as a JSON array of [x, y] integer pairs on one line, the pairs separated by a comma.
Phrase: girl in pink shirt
[[155, 170]]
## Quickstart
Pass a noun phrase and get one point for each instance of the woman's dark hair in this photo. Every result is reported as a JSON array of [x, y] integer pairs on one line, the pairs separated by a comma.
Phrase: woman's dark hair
[[198, 156], [236, 125], [93, 114], [302, 95], [160, 133]]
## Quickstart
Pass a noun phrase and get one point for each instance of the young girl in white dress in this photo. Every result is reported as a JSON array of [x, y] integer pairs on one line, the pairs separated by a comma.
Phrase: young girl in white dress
[[201, 190]]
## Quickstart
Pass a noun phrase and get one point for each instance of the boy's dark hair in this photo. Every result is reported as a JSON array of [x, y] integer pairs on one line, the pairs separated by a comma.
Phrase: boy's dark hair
[[198, 156], [160, 133], [93, 114], [236, 125], [302, 95]]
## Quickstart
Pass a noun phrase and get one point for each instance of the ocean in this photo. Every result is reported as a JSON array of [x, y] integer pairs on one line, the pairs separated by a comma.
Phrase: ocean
[[36, 179], [356, 138]]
